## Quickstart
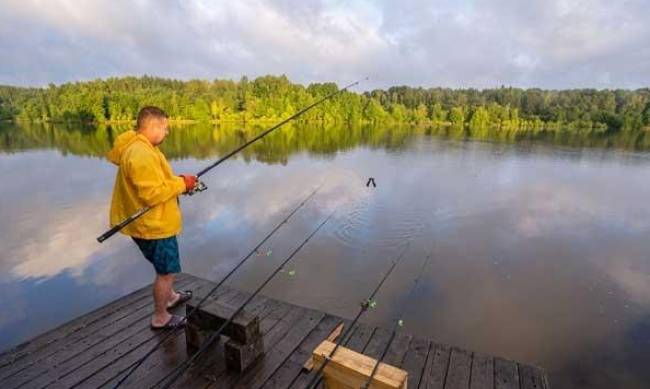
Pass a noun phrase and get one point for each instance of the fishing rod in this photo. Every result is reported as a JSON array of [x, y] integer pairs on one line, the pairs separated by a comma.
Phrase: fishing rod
[[367, 303], [173, 330], [180, 369], [200, 186], [399, 323]]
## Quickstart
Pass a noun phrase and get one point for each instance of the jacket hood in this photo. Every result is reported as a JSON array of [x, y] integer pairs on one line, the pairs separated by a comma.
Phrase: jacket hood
[[122, 142]]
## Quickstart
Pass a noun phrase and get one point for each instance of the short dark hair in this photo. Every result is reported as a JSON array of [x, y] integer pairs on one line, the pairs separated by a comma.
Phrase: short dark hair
[[149, 112]]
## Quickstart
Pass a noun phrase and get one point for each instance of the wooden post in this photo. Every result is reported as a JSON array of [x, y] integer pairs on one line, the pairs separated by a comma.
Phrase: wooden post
[[350, 369], [245, 342]]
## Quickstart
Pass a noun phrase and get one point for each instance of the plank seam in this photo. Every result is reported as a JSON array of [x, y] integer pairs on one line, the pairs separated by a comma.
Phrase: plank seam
[[444, 381], [471, 366], [424, 366]]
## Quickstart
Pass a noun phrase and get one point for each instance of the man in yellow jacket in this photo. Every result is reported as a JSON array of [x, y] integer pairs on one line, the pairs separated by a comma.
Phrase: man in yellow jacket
[[145, 178]]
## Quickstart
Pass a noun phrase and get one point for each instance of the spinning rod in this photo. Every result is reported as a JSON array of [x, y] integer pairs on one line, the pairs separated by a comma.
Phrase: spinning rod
[[399, 323], [367, 303], [200, 186], [173, 375], [172, 331]]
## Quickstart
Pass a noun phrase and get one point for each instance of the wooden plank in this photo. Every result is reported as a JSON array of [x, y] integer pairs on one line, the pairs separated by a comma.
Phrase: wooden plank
[[159, 363], [34, 350], [482, 372], [97, 348], [212, 366], [291, 368], [437, 364], [532, 377], [119, 341], [273, 358], [57, 362], [332, 337], [360, 338], [505, 374], [458, 373], [243, 328], [351, 369], [398, 349], [48, 356], [358, 341], [280, 330], [377, 343], [213, 371], [35, 344], [415, 361]]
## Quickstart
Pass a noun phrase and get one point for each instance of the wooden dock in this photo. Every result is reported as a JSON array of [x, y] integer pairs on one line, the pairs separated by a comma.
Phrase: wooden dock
[[94, 350]]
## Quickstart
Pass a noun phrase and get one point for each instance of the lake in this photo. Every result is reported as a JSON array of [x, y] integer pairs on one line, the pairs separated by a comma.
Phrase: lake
[[539, 243]]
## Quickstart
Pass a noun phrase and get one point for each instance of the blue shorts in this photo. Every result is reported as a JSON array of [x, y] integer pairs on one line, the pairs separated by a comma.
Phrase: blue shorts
[[162, 253]]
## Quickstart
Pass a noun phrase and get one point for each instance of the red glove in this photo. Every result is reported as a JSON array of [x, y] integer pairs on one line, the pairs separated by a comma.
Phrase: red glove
[[190, 182]]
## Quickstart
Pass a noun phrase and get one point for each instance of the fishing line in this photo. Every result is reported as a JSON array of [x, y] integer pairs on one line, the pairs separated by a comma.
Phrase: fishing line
[[399, 323], [221, 282], [200, 186], [173, 375], [365, 305]]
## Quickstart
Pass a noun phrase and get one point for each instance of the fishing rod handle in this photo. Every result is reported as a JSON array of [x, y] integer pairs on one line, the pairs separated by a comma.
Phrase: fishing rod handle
[[123, 224]]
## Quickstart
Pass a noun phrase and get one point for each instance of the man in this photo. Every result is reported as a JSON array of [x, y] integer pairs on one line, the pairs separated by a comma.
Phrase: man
[[145, 178]]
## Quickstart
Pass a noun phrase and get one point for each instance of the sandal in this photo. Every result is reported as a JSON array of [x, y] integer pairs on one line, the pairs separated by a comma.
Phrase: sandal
[[183, 297], [173, 322]]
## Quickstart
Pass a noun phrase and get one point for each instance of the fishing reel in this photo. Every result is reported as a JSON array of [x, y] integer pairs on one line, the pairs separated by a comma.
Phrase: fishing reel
[[200, 186]]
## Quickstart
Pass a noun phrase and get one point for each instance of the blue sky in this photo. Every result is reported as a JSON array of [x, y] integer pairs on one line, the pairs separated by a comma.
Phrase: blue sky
[[554, 44]]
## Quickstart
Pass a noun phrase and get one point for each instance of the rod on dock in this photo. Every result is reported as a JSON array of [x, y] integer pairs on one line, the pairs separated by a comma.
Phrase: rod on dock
[[398, 324], [173, 375], [113, 230], [218, 285], [369, 302]]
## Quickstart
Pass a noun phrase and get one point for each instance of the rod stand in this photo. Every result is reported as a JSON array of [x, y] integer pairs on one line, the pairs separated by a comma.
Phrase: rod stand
[[244, 344]]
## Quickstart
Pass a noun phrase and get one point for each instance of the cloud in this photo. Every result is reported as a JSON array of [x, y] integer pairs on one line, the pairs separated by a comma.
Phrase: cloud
[[552, 44]]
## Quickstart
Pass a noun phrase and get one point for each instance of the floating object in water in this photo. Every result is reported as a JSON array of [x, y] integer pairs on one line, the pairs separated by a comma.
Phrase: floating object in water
[[292, 273], [269, 252]]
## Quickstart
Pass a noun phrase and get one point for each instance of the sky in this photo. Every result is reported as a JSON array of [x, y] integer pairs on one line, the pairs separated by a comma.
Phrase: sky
[[552, 44]]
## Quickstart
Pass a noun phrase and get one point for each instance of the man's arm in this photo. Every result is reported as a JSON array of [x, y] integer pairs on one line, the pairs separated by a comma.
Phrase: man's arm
[[147, 176]]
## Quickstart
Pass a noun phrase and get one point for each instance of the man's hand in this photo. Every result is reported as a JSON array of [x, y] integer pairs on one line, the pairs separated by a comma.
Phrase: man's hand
[[190, 181]]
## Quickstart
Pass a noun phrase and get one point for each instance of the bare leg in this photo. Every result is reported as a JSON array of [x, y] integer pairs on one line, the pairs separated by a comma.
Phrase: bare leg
[[162, 293], [173, 295]]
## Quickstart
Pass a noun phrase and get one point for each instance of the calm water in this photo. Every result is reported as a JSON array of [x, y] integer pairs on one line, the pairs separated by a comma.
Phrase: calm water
[[540, 248]]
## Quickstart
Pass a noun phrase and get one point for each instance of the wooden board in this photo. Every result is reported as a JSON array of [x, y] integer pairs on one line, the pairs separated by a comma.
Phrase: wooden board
[[80, 330], [415, 360], [458, 372], [506, 375], [482, 372], [291, 368], [352, 369], [95, 350], [435, 372]]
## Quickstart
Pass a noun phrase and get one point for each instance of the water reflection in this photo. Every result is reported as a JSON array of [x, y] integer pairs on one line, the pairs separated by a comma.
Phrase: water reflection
[[540, 251]]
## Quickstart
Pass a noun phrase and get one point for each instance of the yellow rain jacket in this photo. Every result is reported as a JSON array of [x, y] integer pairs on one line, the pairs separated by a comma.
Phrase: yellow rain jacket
[[144, 177]]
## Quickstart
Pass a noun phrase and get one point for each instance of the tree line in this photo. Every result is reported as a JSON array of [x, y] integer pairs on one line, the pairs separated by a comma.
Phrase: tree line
[[206, 140], [271, 98]]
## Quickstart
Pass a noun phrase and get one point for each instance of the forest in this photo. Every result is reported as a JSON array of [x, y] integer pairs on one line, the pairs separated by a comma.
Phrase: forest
[[271, 98]]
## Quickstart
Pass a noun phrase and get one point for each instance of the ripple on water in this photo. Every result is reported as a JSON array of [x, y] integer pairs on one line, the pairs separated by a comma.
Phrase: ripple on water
[[407, 224], [351, 226], [357, 227]]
